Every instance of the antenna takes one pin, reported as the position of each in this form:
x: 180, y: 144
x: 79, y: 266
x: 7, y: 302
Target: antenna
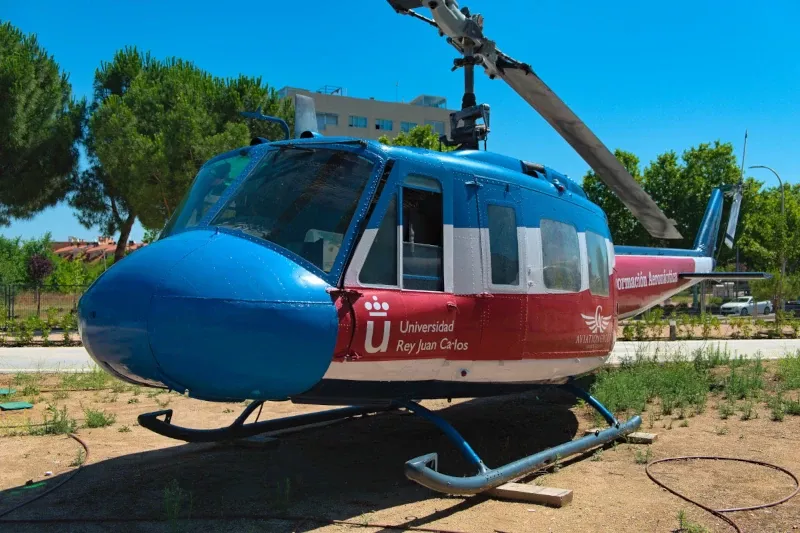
x: 744, y: 152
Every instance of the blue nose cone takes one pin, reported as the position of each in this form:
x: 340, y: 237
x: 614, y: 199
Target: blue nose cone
x: 222, y: 316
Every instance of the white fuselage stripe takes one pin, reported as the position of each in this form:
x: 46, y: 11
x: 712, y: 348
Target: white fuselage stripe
x: 467, y: 261
x: 514, y: 371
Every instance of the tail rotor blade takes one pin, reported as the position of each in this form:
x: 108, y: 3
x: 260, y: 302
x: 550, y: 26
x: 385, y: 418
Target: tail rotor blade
x: 733, y: 219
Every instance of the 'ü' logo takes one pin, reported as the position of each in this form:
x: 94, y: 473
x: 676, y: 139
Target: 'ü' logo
x: 376, y: 308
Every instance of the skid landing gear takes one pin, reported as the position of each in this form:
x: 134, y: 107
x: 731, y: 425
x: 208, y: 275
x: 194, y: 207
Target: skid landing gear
x: 419, y: 469
x: 239, y: 430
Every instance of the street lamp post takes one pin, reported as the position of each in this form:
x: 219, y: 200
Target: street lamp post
x: 783, y: 222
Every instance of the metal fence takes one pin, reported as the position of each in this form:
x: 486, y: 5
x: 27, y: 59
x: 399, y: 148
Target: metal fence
x: 23, y: 301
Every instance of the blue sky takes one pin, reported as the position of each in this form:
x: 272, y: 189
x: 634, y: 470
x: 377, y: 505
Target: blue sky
x: 645, y: 77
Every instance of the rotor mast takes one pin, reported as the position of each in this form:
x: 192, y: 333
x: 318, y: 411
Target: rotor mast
x: 465, y: 131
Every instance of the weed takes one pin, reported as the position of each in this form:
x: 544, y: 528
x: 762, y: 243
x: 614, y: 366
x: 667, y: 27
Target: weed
x: 748, y: 411
x: 227, y: 410
x: 60, y: 395
x: 94, y: 379
x: 133, y: 400
x: 79, y: 458
x: 685, y: 526
x: 163, y: 403
x: 598, y: 455
x: 789, y: 371
x: 745, y: 382
x: 119, y: 386
x: 679, y: 384
x: 124, y: 429
x: 792, y: 407
x: 642, y: 458
x: 722, y: 430
x: 777, y: 408
x: 98, y: 419
x: 110, y: 398
x: 57, y: 423
x: 174, y: 497
x: 685, y: 423
x: 726, y: 410
x: 29, y: 384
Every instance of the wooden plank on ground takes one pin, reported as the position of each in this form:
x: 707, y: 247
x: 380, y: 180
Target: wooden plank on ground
x: 533, y: 493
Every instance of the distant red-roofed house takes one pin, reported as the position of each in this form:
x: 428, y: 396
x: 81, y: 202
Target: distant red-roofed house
x: 90, y: 251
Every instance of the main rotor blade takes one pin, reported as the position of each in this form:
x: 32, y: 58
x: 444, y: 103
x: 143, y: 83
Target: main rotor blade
x: 607, y: 167
x: 465, y: 33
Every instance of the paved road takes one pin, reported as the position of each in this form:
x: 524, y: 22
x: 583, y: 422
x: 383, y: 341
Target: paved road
x: 751, y: 348
x: 59, y: 359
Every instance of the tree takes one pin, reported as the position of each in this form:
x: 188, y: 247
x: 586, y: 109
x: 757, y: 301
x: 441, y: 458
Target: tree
x: 40, y: 125
x: 625, y: 229
x: 683, y: 187
x: 418, y: 137
x: 40, y: 266
x: 153, y: 124
x: 680, y: 186
x: 764, y: 233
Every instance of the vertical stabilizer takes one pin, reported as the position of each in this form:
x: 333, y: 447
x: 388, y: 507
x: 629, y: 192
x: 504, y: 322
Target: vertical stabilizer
x: 706, y: 240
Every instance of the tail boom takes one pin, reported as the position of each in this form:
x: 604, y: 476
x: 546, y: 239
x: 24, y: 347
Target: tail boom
x: 643, y: 281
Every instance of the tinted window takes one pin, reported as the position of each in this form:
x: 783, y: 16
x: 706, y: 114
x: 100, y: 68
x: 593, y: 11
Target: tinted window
x: 212, y: 180
x: 503, y: 245
x: 302, y: 199
x: 423, y: 238
x: 560, y: 256
x: 383, y: 124
x: 380, y: 267
x: 358, y: 122
x: 598, y: 263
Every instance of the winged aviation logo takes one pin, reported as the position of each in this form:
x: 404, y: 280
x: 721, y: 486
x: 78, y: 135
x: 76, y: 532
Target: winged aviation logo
x: 597, y: 323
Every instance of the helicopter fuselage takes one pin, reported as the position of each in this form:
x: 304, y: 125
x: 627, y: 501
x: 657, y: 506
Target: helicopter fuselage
x: 340, y: 271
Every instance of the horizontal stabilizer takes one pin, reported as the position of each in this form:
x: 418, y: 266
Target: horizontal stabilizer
x: 725, y: 276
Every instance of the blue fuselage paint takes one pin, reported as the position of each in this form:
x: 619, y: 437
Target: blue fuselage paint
x: 221, y: 316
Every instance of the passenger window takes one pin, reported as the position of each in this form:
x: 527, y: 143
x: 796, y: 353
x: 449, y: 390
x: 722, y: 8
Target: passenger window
x: 423, y: 239
x: 380, y: 267
x: 503, y: 245
x: 598, y: 263
x: 560, y: 256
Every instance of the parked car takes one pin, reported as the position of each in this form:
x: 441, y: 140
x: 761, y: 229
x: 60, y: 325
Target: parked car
x: 745, y: 305
x: 792, y: 307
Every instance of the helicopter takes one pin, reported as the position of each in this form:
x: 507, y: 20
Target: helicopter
x: 340, y: 271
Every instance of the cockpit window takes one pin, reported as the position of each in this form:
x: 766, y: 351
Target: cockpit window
x: 208, y: 186
x: 302, y: 199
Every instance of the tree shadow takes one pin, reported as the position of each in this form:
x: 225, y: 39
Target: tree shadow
x: 335, y: 472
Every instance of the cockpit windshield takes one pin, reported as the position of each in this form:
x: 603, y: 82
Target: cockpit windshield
x: 302, y: 199
x: 212, y: 180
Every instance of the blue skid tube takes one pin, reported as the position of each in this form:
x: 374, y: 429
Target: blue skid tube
x: 419, y: 469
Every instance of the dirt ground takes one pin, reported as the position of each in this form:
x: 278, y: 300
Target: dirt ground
x: 353, y: 471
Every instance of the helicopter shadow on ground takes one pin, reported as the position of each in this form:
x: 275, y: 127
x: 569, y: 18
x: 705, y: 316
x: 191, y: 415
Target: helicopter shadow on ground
x: 335, y: 472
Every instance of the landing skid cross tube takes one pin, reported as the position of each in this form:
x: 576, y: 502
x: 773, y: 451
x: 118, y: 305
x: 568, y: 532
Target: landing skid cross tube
x: 419, y: 469
x: 239, y: 430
